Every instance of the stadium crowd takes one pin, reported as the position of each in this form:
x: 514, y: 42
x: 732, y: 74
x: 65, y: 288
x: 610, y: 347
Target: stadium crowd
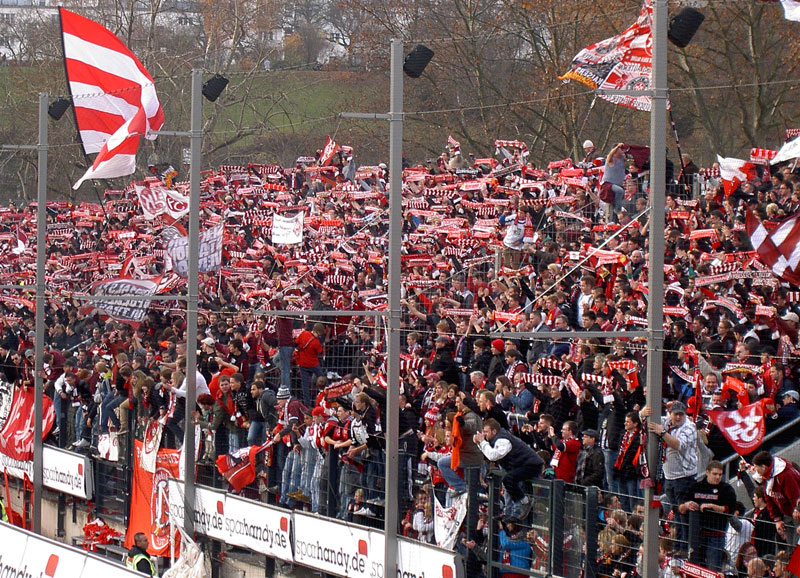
x: 490, y: 246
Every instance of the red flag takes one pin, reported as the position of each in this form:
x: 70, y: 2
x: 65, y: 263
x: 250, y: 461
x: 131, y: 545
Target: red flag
x: 240, y: 469
x: 16, y: 437
x: 114, y: 96
x: 738, y: 387
x: 779, y: 249
x: 743, y: 428
x: 794, y: 563
x: 619, y: 62
x: 327, y: 153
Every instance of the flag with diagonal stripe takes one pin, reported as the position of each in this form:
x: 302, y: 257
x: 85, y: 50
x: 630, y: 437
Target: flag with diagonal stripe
x: 114, y: 97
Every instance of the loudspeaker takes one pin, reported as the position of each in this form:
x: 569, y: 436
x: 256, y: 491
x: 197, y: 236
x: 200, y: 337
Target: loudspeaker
x: 58, y: 107
x: 214, y: 86
x: 683, y: 26
x: 417, y: 60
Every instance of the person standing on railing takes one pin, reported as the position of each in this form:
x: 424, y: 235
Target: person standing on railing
x: 518, y: 460
x: 679, y: 437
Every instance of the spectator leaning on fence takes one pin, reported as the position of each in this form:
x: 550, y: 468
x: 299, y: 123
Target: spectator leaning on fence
x: 715, y: 500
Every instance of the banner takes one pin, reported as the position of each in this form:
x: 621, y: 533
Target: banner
x: 150, y: 500
x: 157, y: 199
x: 152, y: 441
x: 62, y: 471
x: 287, y: 230
x: 209, y: 256
x: 25, y: 554
x: 743, y: 428
x: 620, y: 62
x: 236, y: 521
x: 130, y: 311
x: 16, y: 437
x: 447, y: 521
x: 6, y: 396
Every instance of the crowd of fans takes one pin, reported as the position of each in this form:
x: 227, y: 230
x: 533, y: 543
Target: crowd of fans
x: 490, y: 246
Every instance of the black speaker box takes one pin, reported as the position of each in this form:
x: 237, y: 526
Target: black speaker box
x: 417, y: 60
x: 683, y: 26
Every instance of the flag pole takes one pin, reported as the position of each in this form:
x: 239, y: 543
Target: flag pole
x: 41, y: 259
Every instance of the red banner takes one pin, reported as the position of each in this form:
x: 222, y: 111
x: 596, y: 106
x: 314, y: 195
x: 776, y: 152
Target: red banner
x: 743, y: 428
x: 16, y: 437
x: 150, y: 501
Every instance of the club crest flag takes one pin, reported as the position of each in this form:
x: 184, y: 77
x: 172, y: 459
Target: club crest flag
x: 209, y: 252
x: 622, y: 62
x: 287, y: 230
x: 743, y: 427
x: 331, y: 148
x: 113, y: 95
x: 150, y: 500
x: 157, y: 199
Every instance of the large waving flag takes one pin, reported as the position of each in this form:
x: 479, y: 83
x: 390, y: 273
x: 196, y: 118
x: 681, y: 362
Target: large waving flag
x: 734, y: 172
x: 791, y: 9
x: 621, y: 62
x: 114, y: 96
x: 779, y: 249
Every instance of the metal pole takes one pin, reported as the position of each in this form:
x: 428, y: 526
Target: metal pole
x: 192, y: 297
x: 393, y: 326
x: 41, y: 259
x: 655, y: 305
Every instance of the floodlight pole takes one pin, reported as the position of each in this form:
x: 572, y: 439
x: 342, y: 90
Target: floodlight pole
x: 655, y: 305
x: 196, y: 139
x: 41, y: 260
x: 393, y: 323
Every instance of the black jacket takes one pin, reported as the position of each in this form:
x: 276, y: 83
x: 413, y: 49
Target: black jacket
x: 590, y: 467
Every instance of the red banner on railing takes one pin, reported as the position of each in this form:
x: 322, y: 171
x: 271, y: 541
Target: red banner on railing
x: 16, y: 438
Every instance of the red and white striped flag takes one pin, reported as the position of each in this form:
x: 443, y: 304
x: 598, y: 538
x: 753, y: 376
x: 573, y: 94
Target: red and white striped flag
x: 778, y: 249
x: 114, y: 96
x: 734, y: 172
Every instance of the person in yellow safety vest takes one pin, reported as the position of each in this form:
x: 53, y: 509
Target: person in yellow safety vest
x: 3, y: 515
x: 138, y: 559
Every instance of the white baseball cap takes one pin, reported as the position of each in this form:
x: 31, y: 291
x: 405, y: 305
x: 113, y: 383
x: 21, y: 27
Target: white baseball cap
x: 587, y: 144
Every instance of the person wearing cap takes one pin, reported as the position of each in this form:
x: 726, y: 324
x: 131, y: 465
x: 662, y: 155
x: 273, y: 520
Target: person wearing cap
x: 588, y: 151
x: 443, y: 364
x: 679, y: 436
x: 789, y: 409
x: 497, y: 366
x: 590, y: 469
x: 285, y: 440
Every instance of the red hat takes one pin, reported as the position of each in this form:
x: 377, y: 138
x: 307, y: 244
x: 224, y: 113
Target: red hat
x: 318, y: 411
x: 498, y: 344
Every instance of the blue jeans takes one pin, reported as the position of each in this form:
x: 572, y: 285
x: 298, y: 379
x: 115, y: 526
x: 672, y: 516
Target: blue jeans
x: 233, y: 441
x: 79, y: 423
x: 257, y: 433
x: 285, y: 358
x: 608, y: 483
x: 711, y: 552
x: 110, y: 403
x: 629, y: 491
x: 306, y: 374
x: 451, y: 476
x: 674, y: 489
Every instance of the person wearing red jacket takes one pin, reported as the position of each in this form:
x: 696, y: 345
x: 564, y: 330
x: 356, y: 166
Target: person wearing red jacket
x: 781, y: 486
x: 309, y: 348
